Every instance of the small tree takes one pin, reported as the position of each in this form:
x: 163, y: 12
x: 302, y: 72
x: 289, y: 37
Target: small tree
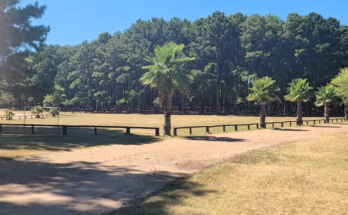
x: 37, y: 110
x: 324, y: 97
x: 263, y: 92
x: 341, y: 88
x: 9, y: 114
x: 54, y: 111
x: 168, y: 74
x: 299, y: 91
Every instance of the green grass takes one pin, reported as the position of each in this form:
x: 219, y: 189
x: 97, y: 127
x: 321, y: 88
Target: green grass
x: 304, y: 177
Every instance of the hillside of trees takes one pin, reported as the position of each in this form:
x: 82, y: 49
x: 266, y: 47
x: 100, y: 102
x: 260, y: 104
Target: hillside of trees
x: 229, y: 52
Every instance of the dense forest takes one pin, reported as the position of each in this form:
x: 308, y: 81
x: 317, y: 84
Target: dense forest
x: 229, y: 52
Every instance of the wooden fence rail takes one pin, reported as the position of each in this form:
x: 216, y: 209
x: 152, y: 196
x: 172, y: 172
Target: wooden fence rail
x: 65, y: 127
x: 26, y: 116
x: 207, y: 127
x: 304, y: 121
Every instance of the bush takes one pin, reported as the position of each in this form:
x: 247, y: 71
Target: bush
x: 54, y: 111
x: 37, y: 110
x: 9, y: 114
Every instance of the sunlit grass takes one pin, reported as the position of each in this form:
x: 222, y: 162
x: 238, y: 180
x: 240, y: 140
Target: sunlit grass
x: 304, y: 177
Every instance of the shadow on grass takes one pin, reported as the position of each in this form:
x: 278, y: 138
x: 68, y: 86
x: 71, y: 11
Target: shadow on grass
x: 174, y: 195
x: 15, y: 138
x: 37, y: 187
x: 213, y: 138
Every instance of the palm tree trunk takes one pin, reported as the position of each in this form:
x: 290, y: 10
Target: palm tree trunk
x: 326, y: 113
x: 167, y: 107
x: 263, y: 116
x: 346, y: 111
x: 299, y: 113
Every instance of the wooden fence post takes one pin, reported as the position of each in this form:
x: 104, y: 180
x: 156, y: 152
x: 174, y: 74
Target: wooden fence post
x: 175, y: 134
x: 248, y: 126
x: 282, y: 124
x: 257, y: 126
x: 95, y: 131
x: 224, y: 128
x: 190, y: 130
x: 0, y: 128
x: 128, y: 130
x: 65, y: 130
x: 236, y: 127
x: 207, y: 129
x: 157, y: 132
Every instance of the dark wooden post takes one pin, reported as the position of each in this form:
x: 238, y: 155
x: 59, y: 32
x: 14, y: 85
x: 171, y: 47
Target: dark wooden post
x: 175, y: 131
x: 224, y: 128
x: 282, y: 124
x: 236, y: 127
x: 290, y: 123
x: 95, y: 131
x: 157, y: 131
x: 273, y: 125
x: 248, y: 126
x: 313, y: 122
x: 257, y: 126
x: 65, y: 130
x: 32, y: 129
x: 0, y: 128
x: 128, y: 130
x: 207, y: 129
x: 190, y: 130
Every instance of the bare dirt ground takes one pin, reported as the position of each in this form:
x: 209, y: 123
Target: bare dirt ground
x: 101, y: 179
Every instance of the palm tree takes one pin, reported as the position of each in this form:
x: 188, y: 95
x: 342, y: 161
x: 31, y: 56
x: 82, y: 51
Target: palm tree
x: 168, y: 75
x: 299, y: 91
x: 341, y: 85
x: 325, y: 96
x: 263, y: 92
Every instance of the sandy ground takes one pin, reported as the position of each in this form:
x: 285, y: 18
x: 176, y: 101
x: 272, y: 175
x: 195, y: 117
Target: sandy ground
x: 99, y: 180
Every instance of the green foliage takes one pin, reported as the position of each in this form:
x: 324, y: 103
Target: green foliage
x: 325, y: 95
x: 54, y: 111
x: 263, y: 91
x: 340, y: 83
x: 56, y: 98
x: 167, y: 72
x: 299, y: 89
x: 37, y: 110
x: 9, y: 114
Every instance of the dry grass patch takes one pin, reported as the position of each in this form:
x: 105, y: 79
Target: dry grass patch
x: 304, y: 177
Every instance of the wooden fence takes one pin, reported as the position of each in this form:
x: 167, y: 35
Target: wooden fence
x: 65, y: 127
x: 304, y: 122
x: 257, y: 125
x: 213, y: 126
x: 26, y: 116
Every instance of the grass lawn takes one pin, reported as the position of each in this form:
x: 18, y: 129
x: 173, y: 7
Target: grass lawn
x: 155, y: 120
x: 304, y: 177
x: 18, y: 141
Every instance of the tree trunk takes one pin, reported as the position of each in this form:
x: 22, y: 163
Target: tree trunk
x: 346, y: 111
x: 263, y: 116
x: 299, y: 113
x: 326, y: 113
x: 167, y: 107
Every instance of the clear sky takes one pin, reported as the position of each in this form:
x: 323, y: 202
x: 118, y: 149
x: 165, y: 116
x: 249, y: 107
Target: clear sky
x: 73, y: 21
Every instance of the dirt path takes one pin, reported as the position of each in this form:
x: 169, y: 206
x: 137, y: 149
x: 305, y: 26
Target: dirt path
x: 101, y: 179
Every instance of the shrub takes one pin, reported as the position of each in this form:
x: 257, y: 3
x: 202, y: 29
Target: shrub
x: 9, y: 114
x: 37, y: 110
x: 54, y: 111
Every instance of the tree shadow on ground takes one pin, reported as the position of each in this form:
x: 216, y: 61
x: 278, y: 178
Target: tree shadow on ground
x: 288, y: 129
x: 39, y: 188
x: 15, y: 138
x: 325, y: 126
x: 213, y: 138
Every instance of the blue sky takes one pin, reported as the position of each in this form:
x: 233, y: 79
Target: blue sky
x: 73, y: 21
